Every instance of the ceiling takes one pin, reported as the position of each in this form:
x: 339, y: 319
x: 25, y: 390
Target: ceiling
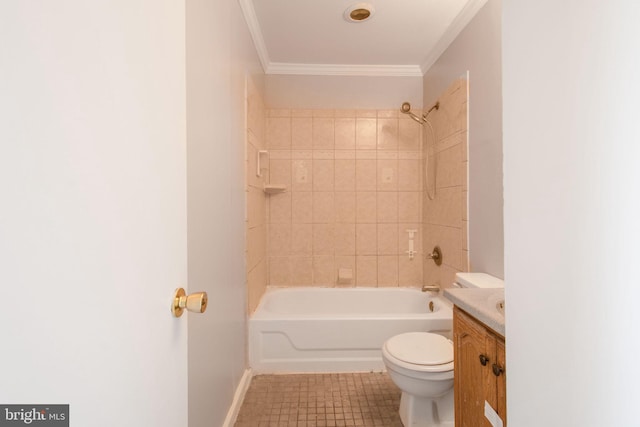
x: 402, y: 38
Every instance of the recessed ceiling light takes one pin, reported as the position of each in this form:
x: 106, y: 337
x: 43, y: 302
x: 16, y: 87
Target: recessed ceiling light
x: 359, y: 12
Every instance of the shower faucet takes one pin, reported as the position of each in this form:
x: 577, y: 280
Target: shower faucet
x: 436, y: 255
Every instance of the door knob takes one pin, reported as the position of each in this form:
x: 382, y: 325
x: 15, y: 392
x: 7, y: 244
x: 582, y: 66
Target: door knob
x: 484, y: 360
x: 196, y: 302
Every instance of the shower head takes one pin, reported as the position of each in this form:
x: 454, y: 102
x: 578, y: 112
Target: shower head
x: 406, y: 109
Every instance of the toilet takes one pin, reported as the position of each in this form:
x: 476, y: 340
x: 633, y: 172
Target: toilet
x: 421, y: 365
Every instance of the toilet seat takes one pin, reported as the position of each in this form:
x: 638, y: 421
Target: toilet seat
x: 420, y: 351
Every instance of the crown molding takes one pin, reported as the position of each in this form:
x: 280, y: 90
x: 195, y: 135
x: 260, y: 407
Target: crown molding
x: 345, y: 70
x: 457, y: 25
x: 256, y: 33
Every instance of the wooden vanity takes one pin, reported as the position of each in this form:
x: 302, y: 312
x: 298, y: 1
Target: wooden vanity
x: 480, y: 373
x: 479, y: 357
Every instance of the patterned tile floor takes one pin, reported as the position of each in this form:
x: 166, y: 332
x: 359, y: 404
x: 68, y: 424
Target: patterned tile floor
x: 321, y: 400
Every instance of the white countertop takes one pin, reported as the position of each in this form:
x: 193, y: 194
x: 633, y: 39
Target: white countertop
x: 481, y: 304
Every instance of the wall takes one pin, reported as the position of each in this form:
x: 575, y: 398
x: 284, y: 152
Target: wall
x: 445, y: 196
x: 342, y: 92
x: 571, y: 177
x: 477, y: 50
x: 219, y: 56
x: 256, y: 220
x: 354, y: 187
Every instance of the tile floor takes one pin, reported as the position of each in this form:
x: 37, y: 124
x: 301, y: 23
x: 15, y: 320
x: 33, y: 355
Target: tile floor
x: 321, y: 400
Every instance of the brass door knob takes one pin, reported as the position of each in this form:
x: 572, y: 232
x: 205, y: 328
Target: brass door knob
x: 196, y: 302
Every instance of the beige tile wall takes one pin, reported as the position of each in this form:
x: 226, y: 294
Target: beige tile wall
x: 354, y: 188
x: 355, y: 184
x: 256, y: 202
x: 445, y: 217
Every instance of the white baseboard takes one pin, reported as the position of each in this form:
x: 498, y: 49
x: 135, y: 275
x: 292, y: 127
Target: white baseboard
x: 238, y: 398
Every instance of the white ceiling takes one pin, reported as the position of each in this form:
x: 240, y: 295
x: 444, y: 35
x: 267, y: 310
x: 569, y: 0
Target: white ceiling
x: 403, y: 38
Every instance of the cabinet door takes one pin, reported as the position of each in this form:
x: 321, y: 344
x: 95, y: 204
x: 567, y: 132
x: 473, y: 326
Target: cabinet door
x: 501, y: 383
x: 490, y: 383
x: 471, y: 376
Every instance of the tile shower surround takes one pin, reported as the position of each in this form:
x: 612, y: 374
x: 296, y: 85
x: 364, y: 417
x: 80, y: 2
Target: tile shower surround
x: 256, y: 202
x: 355, y: 185
x: 354, y: 188
x: 445, y: 218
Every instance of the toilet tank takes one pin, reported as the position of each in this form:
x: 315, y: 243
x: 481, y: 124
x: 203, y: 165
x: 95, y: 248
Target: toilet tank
x: 477, y: 280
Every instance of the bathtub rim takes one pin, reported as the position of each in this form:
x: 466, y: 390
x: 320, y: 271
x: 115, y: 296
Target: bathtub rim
x: 260, y: 313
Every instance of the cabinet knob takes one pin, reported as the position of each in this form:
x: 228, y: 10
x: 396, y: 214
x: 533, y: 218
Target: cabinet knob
x: 497, y: 370
x: 484, y: 360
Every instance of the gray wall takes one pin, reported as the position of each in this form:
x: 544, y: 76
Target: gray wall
x: 219, y: 55
x: 478, y: 50
x: 572, y: 205
x: 342, y: 92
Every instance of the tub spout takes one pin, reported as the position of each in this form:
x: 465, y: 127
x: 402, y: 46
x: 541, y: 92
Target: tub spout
x: 431, y: 288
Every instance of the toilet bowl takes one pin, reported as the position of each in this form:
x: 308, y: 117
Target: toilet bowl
x: 421, y: 365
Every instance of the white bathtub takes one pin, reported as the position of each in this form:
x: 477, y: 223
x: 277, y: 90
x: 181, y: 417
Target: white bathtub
x: 337, y: 329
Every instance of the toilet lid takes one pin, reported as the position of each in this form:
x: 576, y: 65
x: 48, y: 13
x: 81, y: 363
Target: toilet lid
x: 421, y: 348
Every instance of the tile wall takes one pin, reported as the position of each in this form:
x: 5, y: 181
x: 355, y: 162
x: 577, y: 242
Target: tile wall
x: 445, y: 221
x: 355, y: 184
x: 256, y: 202
x: 354, y: 187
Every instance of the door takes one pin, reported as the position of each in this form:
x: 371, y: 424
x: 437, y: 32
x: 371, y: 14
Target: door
x: 92, y: 209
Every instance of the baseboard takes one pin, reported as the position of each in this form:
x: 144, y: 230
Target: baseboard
x: 238, y: 397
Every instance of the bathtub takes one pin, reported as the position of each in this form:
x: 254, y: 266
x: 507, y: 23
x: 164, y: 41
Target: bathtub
x: 337, y: 329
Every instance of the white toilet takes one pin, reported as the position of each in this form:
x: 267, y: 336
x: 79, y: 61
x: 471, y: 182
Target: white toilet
x: 421, y: 365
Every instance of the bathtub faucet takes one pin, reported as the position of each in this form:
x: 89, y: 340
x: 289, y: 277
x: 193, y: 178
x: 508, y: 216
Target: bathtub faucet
x: 431, y: 288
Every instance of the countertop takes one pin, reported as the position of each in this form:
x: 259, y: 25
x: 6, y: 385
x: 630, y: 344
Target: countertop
x: 481, y: 304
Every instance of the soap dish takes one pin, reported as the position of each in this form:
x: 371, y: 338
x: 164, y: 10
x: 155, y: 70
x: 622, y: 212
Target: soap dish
x: 274, y: 188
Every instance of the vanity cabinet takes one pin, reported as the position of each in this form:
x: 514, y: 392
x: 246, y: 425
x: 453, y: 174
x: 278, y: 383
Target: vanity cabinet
x: 479, y: 366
